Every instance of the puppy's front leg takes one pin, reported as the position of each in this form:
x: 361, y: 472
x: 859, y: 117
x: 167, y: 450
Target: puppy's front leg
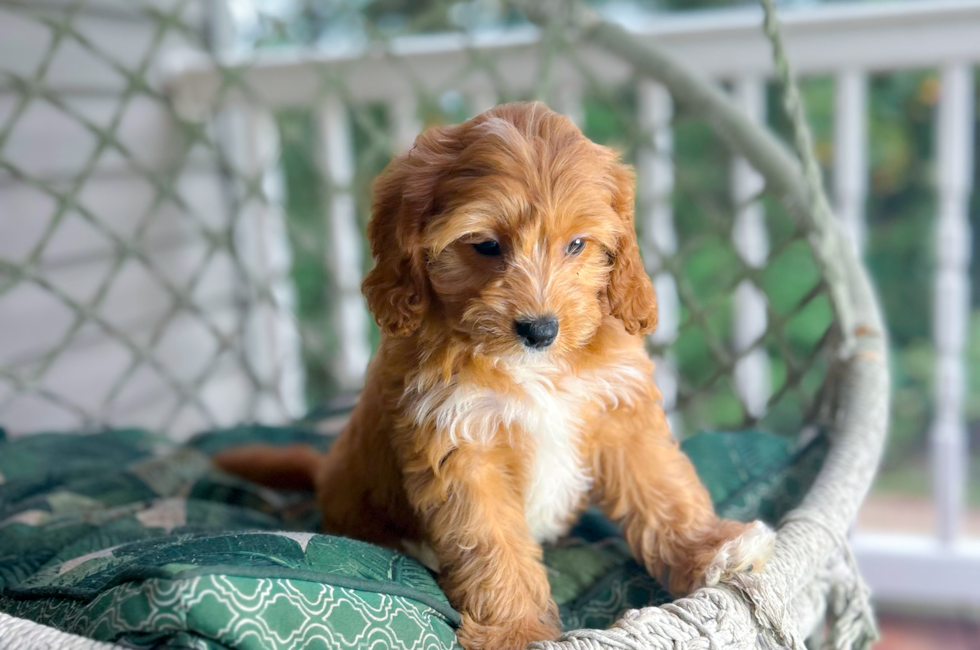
x: 473, y: 514
x: 644, y: 480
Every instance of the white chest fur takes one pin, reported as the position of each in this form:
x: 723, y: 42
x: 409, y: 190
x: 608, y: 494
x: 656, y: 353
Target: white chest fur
x: 548, y: 408
x: 558, y: 478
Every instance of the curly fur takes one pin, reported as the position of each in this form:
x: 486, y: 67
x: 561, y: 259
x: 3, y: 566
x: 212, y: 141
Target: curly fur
x: 471, y: 445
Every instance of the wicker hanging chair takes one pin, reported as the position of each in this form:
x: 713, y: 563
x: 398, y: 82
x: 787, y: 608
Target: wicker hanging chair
x: 812, y: 578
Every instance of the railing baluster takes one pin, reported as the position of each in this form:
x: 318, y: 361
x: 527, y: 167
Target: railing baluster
x: 568, y: 101
x: 655, y: 188
x: 271, y: 339
x: 752, y: 381
x: 850, y: 154
x: 483, y: 100
x: 287, y: 356
x: 403, y: 115
x: 951, y: 309
x: 342, y: 248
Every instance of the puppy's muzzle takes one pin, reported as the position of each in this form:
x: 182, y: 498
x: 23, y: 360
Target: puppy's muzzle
x: 537, y: 333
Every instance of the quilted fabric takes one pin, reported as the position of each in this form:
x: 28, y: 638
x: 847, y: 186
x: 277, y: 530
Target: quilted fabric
x: 123, y: 536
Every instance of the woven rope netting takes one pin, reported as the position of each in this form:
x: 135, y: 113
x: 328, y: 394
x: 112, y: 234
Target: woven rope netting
x: 200, y: 250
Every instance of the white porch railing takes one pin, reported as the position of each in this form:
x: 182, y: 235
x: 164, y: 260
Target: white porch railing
x: 848, y: 42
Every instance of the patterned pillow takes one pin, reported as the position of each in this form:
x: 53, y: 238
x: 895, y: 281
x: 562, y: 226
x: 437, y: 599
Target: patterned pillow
x: 124, y: 536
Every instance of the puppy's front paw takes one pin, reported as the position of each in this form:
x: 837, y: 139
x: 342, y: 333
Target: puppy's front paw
x: 746, y: 552
x: 510, y: 635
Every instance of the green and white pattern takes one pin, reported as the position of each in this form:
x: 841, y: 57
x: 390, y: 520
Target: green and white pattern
x: 169, y: 553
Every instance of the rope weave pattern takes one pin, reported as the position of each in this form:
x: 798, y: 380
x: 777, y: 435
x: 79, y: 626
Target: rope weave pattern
x: 803, y: 144
x: 18, y: 634
x: 281, y: 183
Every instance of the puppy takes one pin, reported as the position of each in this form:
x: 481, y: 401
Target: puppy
x: 511, y: 387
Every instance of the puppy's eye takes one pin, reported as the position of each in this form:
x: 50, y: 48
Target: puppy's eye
x: 490, y: 248
x: 575, y: 246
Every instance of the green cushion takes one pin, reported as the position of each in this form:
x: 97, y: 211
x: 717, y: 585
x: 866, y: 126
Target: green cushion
x: 124, y: 536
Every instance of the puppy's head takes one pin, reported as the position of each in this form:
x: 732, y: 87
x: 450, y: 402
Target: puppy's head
x: 513, y: 229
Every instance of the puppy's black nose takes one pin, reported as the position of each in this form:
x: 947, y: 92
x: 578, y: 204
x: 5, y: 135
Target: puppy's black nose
x: 538, y: 333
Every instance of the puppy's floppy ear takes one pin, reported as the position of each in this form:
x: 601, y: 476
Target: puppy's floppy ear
x: 630, y: 293
x: 397, y: 288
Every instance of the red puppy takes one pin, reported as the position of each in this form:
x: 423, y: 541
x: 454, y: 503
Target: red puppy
x: 511, y: 387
